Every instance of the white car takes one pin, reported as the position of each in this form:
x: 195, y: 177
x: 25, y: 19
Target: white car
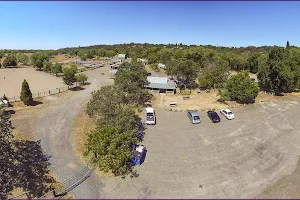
x: 227, y: 113
x: 150, y: 116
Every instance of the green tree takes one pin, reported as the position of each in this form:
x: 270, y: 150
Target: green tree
x: 111, y: 149
x: 152, y: 58
x: 185, y: 69
x: 5, y: 62
x: 252, y: 62
x: 165, y: 55
x: 56, y: 68
x: 23, y: 58
x: 26, y: 95
x: 90, y: 54
x: 69, y: 75
x: 224, y: 95
x: 47, y: 66
x: 37, y: 60
x: 131, y: 79
x: 10, y: 61
x: 214, y: 75
x: 105, y: 103
x: 241, y: 88
x: 110, y: 53
x: 82, y: 78
x: 279, y: 70
x: 126, y: 120
x: 235, y: 61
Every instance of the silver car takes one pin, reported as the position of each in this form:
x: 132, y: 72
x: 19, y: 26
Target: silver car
x: 193, y: 116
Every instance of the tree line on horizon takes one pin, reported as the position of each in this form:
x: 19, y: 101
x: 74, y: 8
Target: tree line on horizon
x: 210, y: 65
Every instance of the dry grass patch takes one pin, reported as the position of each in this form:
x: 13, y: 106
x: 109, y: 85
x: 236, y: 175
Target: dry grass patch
x: 200, y: 101
x: 295, y: 94
x: 262, y: 97
x: 62, y: 58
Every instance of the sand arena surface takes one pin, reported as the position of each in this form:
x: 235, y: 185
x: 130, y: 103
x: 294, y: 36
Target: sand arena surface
x: 11, y: 80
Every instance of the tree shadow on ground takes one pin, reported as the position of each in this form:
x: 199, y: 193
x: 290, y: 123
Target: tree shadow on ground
x: 140, y: 129
x: 33, y: 168
x: 35, y: 103
x: 77, y: 88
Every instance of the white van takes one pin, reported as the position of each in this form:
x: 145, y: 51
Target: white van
x: 150, y: 116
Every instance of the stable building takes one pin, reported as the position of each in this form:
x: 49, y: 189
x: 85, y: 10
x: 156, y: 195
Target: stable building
x: 122, y: 57
x: 161, y: 84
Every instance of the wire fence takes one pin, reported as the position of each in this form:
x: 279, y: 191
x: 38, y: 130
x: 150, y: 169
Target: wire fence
x: 64, y: 186
x: 43, y: 93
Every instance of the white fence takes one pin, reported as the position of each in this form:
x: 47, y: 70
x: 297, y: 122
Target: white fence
x: 43, y: 93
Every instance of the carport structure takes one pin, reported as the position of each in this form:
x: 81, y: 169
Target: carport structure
x: 161, y: 84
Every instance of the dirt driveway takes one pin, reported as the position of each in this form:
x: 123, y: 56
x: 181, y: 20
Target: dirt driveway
x: 54, y: 129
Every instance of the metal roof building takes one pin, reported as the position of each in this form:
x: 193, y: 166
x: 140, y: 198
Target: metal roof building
x: 161, y: 84
x: 122, y: 56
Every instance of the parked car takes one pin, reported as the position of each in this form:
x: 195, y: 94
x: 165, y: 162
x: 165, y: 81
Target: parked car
x: 150, y: 116
x: 227, y: 113
x: 139, y: 153
x: 193, y: 116
x: 213, y: 116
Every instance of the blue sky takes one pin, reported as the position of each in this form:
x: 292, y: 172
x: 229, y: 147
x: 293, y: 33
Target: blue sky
x: 52, y: 25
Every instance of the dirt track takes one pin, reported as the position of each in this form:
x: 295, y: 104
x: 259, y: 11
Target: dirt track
x: 11, y: 81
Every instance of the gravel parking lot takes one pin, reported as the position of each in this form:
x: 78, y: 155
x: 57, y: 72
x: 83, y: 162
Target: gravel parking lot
x: 232, y: 159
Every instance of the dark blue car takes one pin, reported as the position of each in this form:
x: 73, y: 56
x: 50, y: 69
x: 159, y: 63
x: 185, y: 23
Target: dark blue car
x: 213, y: 116
x: 139, y: 154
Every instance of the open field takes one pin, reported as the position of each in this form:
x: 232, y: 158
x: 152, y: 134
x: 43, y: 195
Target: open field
x: 11, y: 81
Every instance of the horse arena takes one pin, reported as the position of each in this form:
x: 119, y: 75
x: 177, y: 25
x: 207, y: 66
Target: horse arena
x: 11, y: 81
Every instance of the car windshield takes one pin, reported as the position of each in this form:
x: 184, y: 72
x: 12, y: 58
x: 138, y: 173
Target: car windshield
x: 214, y: 114
x: 230, y: 113
x: 149, y: 114
x: 196, y: 117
